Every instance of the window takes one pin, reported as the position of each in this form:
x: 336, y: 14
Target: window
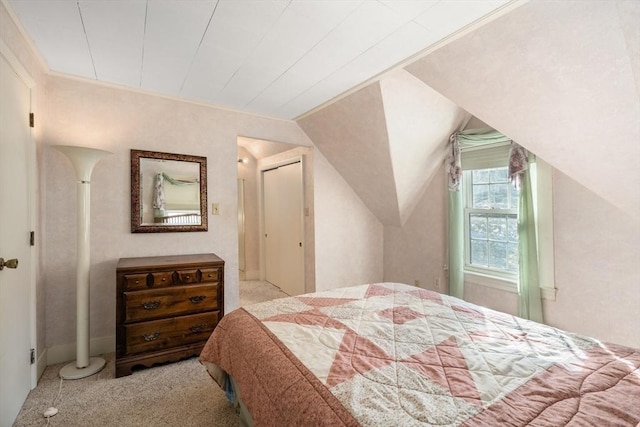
x: 491, y: 223
x: 491, y: 220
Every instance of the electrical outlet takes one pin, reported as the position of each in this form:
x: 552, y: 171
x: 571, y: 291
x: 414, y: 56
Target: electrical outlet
x: 416, y: 282
x: 436, y: 282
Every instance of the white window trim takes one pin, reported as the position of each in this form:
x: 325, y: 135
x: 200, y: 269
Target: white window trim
x: 543, y: 206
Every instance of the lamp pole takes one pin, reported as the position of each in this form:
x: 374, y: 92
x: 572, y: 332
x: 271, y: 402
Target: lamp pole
x: 83, y: 160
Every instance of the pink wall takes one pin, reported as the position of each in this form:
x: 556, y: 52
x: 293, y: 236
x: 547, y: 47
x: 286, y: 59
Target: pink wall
x: 417, y: 250
x: 349, y: 249
x: 597, y: 261
x: 561, y: 79
x: 83, y: 113
x: 597, y: 249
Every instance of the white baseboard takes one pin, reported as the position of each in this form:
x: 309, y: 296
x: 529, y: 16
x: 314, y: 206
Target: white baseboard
x: 252, y: 275
x: 41, y: 363
x: 67, y: 352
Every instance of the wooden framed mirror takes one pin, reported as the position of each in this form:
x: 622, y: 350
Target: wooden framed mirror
x: 168, y: 192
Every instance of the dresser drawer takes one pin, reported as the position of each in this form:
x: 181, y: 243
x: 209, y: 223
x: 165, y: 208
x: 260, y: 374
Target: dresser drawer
x: 210, y: 274
x: 161, y: 278
x: 135, y: 282
x: 167, y: 333
x: 187, y: 276
x: 172, y: 301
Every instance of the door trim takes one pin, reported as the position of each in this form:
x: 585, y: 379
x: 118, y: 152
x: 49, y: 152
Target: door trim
x: 23, y: 74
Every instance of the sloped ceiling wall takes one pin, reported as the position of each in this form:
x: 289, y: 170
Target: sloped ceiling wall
x: 419, y: 122
x: 387, y: 140
x: 560, y: 78
x: 352, y: 135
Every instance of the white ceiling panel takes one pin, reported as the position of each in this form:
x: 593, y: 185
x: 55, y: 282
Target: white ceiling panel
x: 297, y: 31
x: 56, y: 28
x: 172, y: 37
x: 273, y: 57
x: 371, y: 19
x: 409, y: 9
x: 235, y: 30
x: 116, y: 38
x: 369, y: 24
x: 447, y: 17
x: 392, y: 50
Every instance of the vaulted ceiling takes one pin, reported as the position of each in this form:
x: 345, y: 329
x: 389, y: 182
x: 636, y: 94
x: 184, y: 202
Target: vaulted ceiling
x: 560, y: 78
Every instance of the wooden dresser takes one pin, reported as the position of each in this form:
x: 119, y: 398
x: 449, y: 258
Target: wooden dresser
x: 167, y: 306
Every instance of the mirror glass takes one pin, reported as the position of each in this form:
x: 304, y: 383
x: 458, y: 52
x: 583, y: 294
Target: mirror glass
x: 168, y: 192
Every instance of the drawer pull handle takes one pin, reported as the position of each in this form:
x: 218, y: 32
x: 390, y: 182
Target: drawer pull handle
x: 151, y: 337
x: 197, y: 299
x: 198, y: 328
x: 151, y: 305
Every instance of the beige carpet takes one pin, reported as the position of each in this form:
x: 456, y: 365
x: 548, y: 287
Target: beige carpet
x: 252, y: 292
x: 177, y: 394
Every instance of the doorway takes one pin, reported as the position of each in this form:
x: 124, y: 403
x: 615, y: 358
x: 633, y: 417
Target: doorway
x: 254, y: 157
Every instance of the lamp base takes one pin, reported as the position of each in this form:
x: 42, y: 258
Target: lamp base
x: 72, y: 372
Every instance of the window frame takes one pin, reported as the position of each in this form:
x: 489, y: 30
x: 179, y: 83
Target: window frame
x: 543, y: 207
x: 486, y: 276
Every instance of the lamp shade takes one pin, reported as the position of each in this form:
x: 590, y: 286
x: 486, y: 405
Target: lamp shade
x: 83, y: 159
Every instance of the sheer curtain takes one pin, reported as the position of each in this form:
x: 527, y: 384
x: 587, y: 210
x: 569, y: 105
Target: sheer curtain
x: 529, y: 303
x: 529, y: 295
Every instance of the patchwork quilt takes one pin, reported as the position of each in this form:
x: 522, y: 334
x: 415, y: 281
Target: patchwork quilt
x: 390, y: 354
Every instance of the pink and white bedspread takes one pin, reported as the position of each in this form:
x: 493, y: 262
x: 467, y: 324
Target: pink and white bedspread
x: 390, y: 354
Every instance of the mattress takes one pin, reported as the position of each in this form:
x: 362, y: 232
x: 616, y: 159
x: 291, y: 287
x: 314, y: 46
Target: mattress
x: 392, y: 354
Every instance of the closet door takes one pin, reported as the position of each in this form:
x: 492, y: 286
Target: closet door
x: 284, y: 222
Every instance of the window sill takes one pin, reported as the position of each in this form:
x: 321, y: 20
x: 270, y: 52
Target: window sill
x: 504, y: 285
x: 490, y: 282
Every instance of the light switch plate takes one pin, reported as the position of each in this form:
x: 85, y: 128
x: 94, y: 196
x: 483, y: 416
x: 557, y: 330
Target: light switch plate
x: 215, y: 208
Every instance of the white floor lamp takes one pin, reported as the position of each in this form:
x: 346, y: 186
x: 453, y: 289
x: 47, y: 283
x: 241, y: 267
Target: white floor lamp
x: 83, y: 159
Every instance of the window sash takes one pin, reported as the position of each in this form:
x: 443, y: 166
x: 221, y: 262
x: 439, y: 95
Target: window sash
x: 503, y: 274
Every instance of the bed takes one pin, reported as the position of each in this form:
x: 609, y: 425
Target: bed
x: 390, y: 354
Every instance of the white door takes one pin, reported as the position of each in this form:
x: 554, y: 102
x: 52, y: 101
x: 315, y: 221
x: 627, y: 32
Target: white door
x: 284, y: 225
x: 15, y: 327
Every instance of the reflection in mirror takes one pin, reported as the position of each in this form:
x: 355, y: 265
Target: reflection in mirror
x: 168, y: 192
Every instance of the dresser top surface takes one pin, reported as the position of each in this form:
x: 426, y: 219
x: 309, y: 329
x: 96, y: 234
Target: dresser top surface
x: 169, y: 261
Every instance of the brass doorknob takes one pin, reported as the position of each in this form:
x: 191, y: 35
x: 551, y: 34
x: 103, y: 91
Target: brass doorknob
x: 10, y: 263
